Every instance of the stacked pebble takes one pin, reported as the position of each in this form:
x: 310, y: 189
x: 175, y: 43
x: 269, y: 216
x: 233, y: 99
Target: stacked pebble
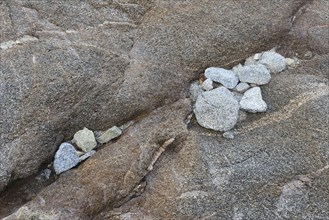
x: 218, y: 107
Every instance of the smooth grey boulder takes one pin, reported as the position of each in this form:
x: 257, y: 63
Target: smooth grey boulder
x: 226, y: 77
x: 252, y: 101
x: 109, y: 134
x: 102, y: 63
x: 273, y: 61
x: 217, y: 109
x: 257, y: 74
x: 66, y: 158
x: 85, y: 139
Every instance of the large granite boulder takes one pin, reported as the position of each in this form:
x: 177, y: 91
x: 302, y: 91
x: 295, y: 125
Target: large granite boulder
x: 69, y: 64
x: 276, y: 167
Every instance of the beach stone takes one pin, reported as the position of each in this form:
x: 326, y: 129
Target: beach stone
x: 226, y: 77
x: 241, y: 87
x: 109, y: 134
x: 85, y: 139
x: 207, y: 85
x: 65, y: 158
x: 217, y: 109
x: 273, y: 61
x: 252, y: 101
x: 256, y: 74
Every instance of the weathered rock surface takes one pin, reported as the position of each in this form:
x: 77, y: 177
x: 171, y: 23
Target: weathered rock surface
x: 252, y: 101
x: 275, y: 168
x: 66, y: 158
x: 111, y: 175
x: 226, y: 77
x: 257, y: 74
x: 101, y: 63
x: 217, y: 109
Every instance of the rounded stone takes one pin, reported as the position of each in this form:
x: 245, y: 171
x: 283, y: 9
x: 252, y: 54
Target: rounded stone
x: 217, y: 109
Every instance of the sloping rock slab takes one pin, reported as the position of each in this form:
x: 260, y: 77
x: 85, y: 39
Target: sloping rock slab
x: 275, y: 168
x: 113, y: 172
x: 101, y: 63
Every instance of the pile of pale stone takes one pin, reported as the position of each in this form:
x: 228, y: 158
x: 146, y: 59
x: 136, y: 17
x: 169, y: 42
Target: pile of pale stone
x: 225, y: 95
x: 84, y: 145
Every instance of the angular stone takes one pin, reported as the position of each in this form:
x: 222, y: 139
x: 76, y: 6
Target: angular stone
x: 85, y: 139
x: 65, y: 158
x: 228, y: 135
x: 241, y: 87
x: 109, y: 134
x: 217, y: 109
x: 226, y: 77
x: 87, y: 155
x: 273, y: 61
x: 252, y: 101
x: 257, y: 74
x: 207, y: 85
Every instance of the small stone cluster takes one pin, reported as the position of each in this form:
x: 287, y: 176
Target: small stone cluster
x: 220, y: 98
x: 84, y: 145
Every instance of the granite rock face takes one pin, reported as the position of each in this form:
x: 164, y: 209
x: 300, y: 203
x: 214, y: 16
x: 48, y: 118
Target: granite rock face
x: 67, y: 64
x: 252, y: 101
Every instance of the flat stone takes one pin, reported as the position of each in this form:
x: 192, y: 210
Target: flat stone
x: 109, y: 134
x: 85, y: 139
x: 66, y: 158
x: 87, y: 155
x: 242, y: 87
x: 256, y: 74
x: 217, y: 109
x: 273, y: 61
x: 207, y: 85
x: 252, y: 101
x: 226, y: 77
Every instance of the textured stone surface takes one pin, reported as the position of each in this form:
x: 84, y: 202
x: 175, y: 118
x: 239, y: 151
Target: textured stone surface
x: 226, y: 77
x: 257, y: 74
x: 217, y: 109
x: 66, y: 158
x: 252, y: 101
x: 241, y: 87
x: 111, y: 175
x: 207, y: 85
x: 273, y: 61
x: 109, y: 134
x: 85, y: 139
x: 195, y: 91
x: 275, y: 168
x: 101, y: 63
